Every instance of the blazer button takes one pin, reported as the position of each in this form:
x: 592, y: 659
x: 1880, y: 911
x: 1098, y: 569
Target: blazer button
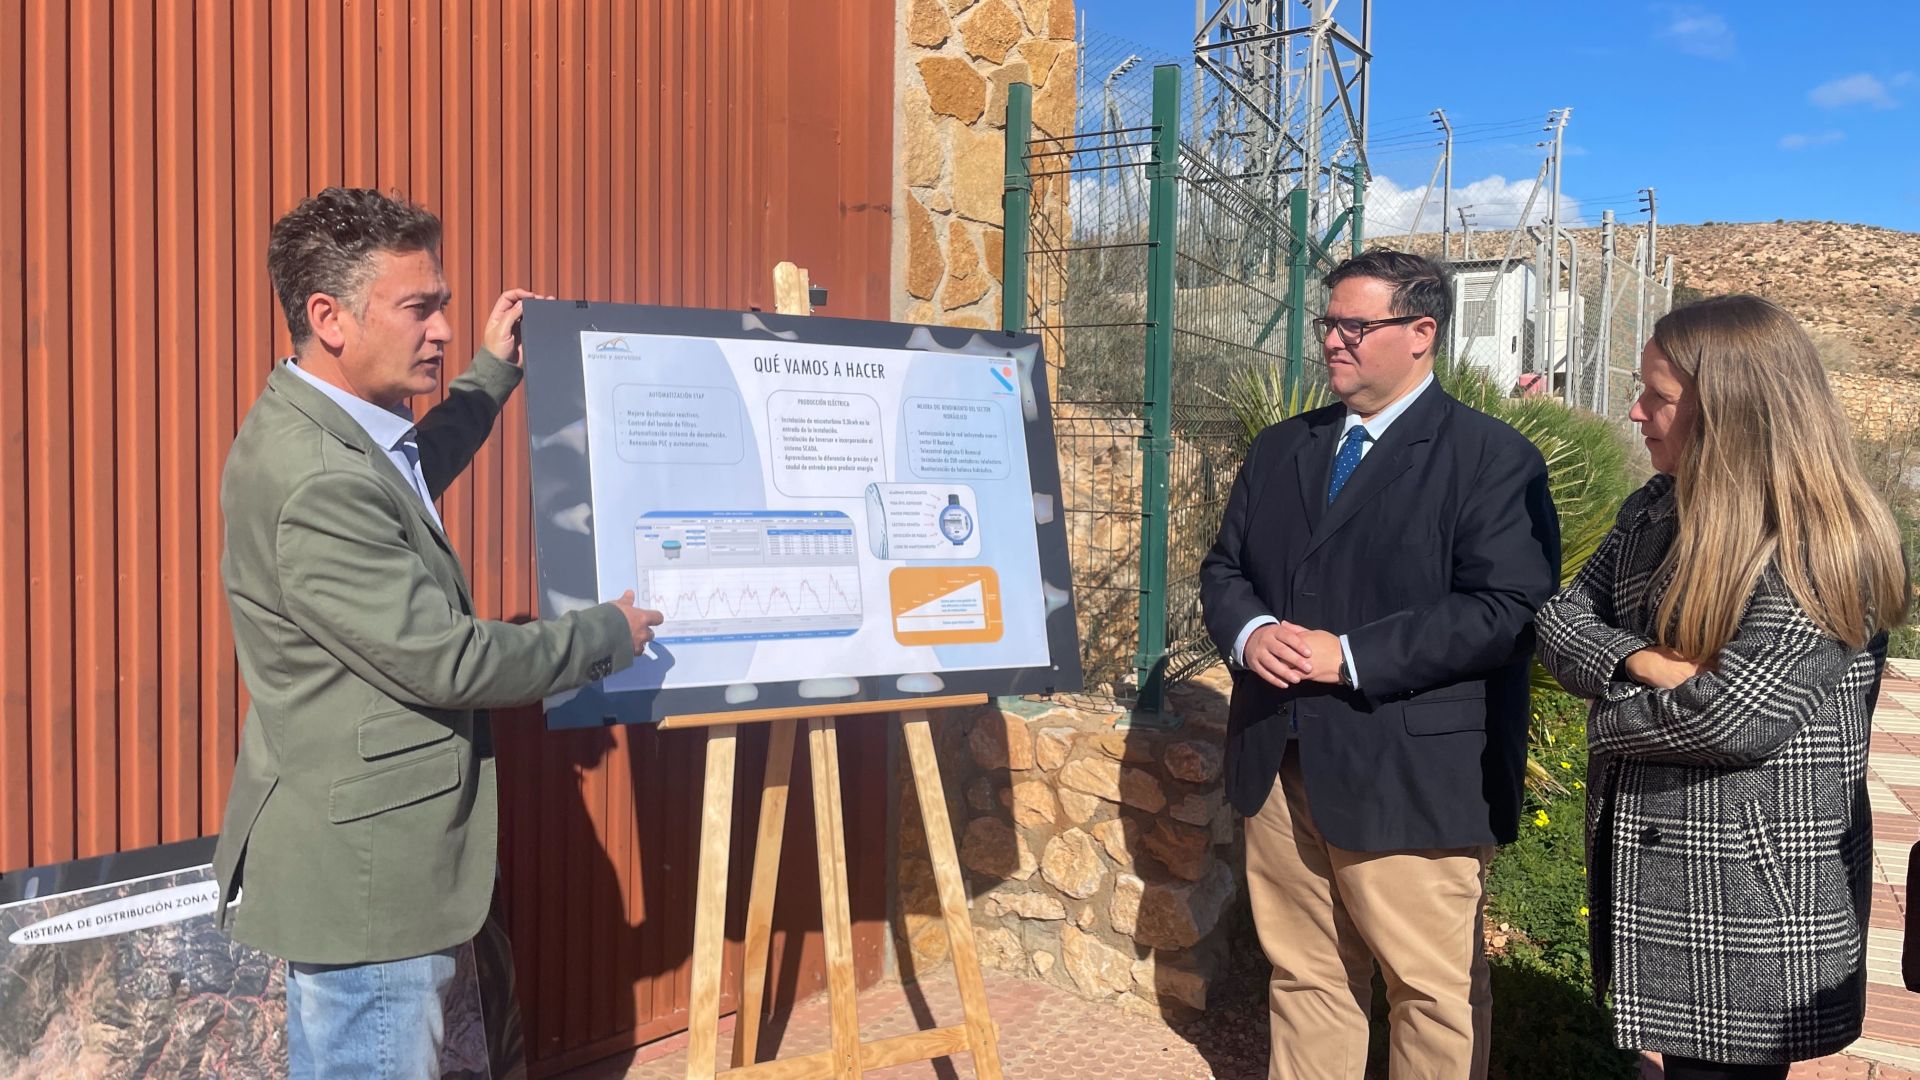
x: 1650, y: 837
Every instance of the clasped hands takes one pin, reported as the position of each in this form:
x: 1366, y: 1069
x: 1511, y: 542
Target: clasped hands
x: 1661, y: 667
x: 1286, y: 654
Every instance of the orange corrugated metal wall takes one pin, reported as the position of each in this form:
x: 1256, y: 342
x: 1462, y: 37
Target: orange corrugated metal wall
x: 667, y: 151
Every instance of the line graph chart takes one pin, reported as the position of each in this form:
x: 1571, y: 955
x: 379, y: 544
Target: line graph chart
x: 740, y: 603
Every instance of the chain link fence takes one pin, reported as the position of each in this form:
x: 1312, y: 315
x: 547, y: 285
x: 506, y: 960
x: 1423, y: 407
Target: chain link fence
x: 1148, y: 438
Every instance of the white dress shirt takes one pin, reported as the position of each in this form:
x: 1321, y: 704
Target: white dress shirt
x: 390, y: 429
x: 1376, y: 427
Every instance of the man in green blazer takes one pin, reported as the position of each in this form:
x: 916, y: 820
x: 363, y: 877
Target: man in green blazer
x: 360, y: 829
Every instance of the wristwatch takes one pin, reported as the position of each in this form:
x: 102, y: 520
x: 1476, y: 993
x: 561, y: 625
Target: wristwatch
x: 1346, y: 674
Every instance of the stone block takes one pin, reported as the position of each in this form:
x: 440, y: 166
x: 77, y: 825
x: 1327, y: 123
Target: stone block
x: 1040, y: 55
x: 1052, y: 745
x: 1176, y: 916
x: 1121, y: 838
x: 1123, y: 746
x: 1185, y: 851
x: 1077, y: 808
x: 979, y: 174
x: 1098, y: 969
x: 967, y: 281
x: 926, y: 149
x: 1054, y: 103
x: 1034, y: 13
x: 1026, y: 905
x: 926, y: 266
x: 991, y: 31
x: 955, y: 89
x: 927, y: 23
x: 981, y: 795
x: 1043, y: 962
x: 1222, y: 825
x: 1033, y: 804
x: 1124, y: 912
x: 1060, y: 20
x: 997, y: 82
x: 1168, y: 984
x: 1194, y: 762
x: 1000, y: 948
x: 1197, y: 809
x: 993, y: 848
x: 998, y: 740
x: 1072, y: 864
x: 1114, y: 782
x: 920, y: 919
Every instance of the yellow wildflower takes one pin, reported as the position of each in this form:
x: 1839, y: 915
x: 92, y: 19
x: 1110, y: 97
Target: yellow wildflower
x: 1540, y: 819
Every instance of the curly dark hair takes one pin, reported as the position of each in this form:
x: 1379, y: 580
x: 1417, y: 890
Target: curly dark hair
x: 1420, y: 285
x: 327, y: 244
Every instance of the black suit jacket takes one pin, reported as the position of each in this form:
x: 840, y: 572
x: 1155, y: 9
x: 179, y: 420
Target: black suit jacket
x: 1433, y: 560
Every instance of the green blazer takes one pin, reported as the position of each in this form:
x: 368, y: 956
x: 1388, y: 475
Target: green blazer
x: 362, y: 821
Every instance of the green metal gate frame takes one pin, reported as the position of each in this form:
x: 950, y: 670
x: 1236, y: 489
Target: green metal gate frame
x: 1304, y: 257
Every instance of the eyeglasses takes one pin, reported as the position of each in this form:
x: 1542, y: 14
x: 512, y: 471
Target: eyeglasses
x: 1353, y: 330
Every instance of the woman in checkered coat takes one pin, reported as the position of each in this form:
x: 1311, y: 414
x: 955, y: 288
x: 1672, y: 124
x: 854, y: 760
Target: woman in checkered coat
x: 1728, y: 631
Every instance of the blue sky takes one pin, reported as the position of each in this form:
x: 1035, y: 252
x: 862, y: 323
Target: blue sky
x: 1735, y: 111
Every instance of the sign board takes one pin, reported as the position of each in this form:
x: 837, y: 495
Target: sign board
x: 825, y: 510
x: 115, y: 966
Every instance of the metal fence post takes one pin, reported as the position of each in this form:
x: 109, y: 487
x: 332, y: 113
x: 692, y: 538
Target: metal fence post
x: 1299, y: 255
x: 1016, y: 205
x: 1163, y: 224
x: 1603, y: 375
x: 1357, y: 223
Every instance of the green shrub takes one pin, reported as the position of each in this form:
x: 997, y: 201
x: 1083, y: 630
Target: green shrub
x: 1889, y: 460
x: 1546, y: 1023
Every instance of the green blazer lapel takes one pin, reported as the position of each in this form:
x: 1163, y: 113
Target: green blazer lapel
x: 320, y: 409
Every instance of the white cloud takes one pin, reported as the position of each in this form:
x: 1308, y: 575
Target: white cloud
x: 1803, y: 140
x: 1860, y: 89
x: 1698, y: 32
x: 1493, y: 204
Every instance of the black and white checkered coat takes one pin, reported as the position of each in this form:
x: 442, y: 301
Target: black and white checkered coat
x: 1728, y: 837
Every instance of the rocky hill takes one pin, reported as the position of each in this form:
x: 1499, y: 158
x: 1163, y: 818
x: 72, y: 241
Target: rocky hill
x: 1855, y: 287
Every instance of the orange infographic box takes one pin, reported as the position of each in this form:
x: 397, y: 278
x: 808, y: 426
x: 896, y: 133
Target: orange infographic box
x: 945, y: 605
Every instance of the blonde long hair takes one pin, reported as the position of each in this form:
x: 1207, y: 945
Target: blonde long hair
x: 1769, y: 476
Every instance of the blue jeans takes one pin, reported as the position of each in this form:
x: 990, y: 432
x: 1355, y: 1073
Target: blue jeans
x: 373, y: 1021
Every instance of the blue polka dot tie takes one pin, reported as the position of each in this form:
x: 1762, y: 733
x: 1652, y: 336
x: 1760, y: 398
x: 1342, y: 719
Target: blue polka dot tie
x: 1346, y: 460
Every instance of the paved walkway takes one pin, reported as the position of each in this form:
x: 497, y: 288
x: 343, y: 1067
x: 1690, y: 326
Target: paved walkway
x: 1049, y: 1034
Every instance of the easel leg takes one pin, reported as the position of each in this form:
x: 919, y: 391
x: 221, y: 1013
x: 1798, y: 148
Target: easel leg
x: 710, y: 904
x: 981, y: 1038
x: 766, y: 874
x: 830, y: 839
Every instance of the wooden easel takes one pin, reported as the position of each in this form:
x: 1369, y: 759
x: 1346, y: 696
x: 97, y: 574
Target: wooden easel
x: 849, y: 1057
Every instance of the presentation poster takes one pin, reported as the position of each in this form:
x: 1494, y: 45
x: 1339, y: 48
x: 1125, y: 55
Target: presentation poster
x: 823, y: 510
x: 114, y: 967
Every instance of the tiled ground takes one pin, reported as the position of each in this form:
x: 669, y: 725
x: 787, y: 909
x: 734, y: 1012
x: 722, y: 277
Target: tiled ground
x: 1045, y: 1034
x: 1049, y: 1033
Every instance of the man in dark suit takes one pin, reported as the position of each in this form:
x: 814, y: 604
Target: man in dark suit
x: 1374, y: 584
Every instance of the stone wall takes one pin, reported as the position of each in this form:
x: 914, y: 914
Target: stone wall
x: 1099, y: 859
x: 957, y: 59
x: 1878, y: 406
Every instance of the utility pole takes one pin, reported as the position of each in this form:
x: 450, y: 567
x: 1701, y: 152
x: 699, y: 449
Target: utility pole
x: 1604, y: 344
x: 1446, y: 184
x: 1650, y: 206
x: 1557, y: 123
x: 1640, y: 290
x: 1466, y: 232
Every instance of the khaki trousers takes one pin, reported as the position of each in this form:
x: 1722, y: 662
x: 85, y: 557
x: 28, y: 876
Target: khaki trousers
x: 1324, y: 915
